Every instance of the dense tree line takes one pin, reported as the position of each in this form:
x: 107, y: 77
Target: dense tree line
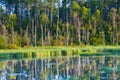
x: 59, y: 22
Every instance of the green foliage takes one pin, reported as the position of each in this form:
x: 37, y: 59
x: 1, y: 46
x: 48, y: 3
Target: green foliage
x: 119, y: 38
x: 24, y: 41
x: 72, y: 44
x: 44, y: 22
x: 2, y: 42
x: 58, y: 43
x: 12, y: 46
x: 97, y: 13
x: 119, y: 12
x: 96, y: 41
x: 75, y: 6
x: 85, y: 13
x: 44, y: 19
x: 1, y: 9
x: 12, y: 20
x: 18, y: 40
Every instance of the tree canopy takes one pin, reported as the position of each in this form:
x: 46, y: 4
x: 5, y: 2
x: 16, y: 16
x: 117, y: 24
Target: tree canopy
x: 60, y: 22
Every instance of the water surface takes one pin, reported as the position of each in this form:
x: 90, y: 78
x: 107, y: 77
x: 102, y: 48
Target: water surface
x: 61, y: 68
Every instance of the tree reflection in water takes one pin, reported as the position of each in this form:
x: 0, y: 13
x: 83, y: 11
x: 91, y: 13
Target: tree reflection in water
x: 62, y: 68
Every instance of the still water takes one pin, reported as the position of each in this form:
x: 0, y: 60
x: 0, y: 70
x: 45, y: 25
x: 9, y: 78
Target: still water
x: 62, y: 68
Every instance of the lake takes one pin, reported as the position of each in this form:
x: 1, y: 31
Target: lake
x: 60, y: 68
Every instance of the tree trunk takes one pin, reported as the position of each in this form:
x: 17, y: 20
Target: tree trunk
x: 117, y: 37
x: 114, y: 26
x: 19, y: 20
x: 57, y: 33
x: 35, y: 22
x: 67, y: 34
x: 103, y: 38
x: 27, y: 36
x: 51, y: 16
x: 89, y: 23
x: 35, y: 42
x: 45, y: 27
x: 78, y: 31
x: 32, y: 36
x: 42, y: 35
x: 57, y: 30
x: 45, y: 34
x: 48, y: 37
x: 84, y: 35
x: 12, y: 34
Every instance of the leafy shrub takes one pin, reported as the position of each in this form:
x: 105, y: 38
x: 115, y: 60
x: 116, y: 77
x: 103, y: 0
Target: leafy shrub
x: 58, y: 43
x: 72, y: 44
x: 12, y: 46
x: 18, y: 39
x: 2, y: 42
x: 119, y: 38
x: 96, y: 41
x: 82, y: 45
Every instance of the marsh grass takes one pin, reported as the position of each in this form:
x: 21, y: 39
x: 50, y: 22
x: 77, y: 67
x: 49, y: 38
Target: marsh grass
x: 57, y: 51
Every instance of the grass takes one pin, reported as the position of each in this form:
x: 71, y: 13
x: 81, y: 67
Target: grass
x: 57, y: 51
x: 78, y: 49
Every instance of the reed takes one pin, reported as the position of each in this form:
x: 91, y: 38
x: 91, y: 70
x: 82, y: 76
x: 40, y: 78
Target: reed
x: 57, y: 51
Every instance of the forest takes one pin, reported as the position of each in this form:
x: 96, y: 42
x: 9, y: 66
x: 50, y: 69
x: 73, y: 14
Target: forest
x: 25, y: 23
